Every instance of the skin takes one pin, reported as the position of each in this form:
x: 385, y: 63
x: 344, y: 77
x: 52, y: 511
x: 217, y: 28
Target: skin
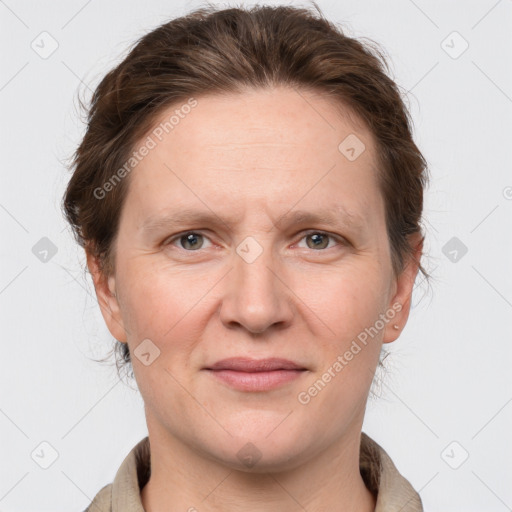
x: 252, y: 160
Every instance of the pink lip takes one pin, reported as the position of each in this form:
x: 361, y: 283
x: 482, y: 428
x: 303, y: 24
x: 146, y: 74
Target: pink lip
x: 245, y: 364
x: 255, y: 375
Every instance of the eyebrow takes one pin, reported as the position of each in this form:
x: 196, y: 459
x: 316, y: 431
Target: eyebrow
x: 339, y: 217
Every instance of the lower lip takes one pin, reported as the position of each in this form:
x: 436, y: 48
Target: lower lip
x: 256, y: 381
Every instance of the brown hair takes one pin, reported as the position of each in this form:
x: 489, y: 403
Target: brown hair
x: 225, y: 51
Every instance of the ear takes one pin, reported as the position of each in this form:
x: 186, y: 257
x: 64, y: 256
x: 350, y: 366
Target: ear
x: 404, y: 284
x: 105, y: 287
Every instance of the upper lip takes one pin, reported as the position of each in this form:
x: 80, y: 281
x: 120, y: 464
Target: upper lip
x: 244, y: 364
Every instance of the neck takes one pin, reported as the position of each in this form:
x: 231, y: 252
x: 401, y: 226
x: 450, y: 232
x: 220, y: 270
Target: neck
x: 183, y: 480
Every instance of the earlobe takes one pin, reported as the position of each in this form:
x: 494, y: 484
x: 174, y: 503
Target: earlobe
x: 105, y: 287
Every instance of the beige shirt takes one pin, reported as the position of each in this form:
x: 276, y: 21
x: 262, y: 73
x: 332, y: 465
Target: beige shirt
x: 392, y: 491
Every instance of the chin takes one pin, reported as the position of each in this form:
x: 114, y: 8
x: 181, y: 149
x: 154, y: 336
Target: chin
x: 261, y: 457
x: 262, y: 448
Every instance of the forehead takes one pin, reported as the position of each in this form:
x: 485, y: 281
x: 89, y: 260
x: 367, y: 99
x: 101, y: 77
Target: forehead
x: 266, y: 118
x: 254, y: 148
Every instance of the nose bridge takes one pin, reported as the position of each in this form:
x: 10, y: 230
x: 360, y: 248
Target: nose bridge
x: 256, y: 298
x: 253, y: 261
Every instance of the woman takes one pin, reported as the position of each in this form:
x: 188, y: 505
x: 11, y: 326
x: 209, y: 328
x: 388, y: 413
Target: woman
x: 249, y: 197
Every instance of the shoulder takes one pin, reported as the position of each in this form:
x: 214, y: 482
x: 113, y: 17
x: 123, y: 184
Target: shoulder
x: 381, y: 476
x: 123, y: 494
x: 102, y: 501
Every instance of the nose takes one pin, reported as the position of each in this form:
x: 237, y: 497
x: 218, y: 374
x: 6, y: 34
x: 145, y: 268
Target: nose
x: 256, y: 296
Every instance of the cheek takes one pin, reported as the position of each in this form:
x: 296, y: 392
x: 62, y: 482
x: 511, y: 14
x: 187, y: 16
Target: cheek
x: 349, y: 349
x: 167, y: 306
x: 351, y: 300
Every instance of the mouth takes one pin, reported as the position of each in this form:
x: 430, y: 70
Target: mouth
x: 254, y: 375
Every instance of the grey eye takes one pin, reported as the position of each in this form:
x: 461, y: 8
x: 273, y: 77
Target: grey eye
x: 194, y: 241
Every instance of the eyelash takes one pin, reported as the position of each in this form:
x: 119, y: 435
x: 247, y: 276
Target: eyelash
x: 170, y: 241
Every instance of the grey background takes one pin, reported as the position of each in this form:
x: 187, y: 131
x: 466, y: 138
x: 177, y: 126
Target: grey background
x: 448, y: 392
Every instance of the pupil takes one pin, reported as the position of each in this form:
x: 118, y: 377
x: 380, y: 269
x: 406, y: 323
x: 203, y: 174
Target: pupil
x: 191, y: 240
x: 317, y: 239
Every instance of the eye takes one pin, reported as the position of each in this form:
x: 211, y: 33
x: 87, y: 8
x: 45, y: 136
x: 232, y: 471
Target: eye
x: 318, y: 240
x: 190, y: 241
x: 193, y: 241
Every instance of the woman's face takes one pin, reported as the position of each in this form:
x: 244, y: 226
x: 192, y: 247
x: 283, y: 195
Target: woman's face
x: 286, y: 256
